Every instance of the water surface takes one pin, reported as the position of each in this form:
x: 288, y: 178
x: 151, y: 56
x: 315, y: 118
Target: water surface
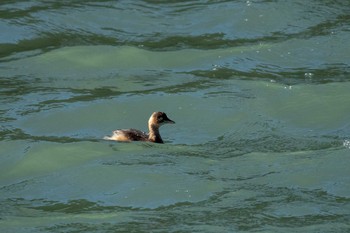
x: 259, y: 91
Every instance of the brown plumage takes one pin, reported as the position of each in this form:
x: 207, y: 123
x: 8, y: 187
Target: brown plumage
x: 156, y: 120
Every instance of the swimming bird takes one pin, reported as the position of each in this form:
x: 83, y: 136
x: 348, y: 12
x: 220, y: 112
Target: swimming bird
x: 156, y: 120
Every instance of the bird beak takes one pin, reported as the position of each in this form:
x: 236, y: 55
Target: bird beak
x: 169, y: 121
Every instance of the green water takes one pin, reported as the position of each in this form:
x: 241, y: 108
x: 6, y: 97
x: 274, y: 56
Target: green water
x: 259, y: 91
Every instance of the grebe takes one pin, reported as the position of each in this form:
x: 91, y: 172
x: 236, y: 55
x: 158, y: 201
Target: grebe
x: 156, y: 120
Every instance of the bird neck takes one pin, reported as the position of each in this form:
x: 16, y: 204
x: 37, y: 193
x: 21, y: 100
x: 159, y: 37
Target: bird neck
x: 154, y: 135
